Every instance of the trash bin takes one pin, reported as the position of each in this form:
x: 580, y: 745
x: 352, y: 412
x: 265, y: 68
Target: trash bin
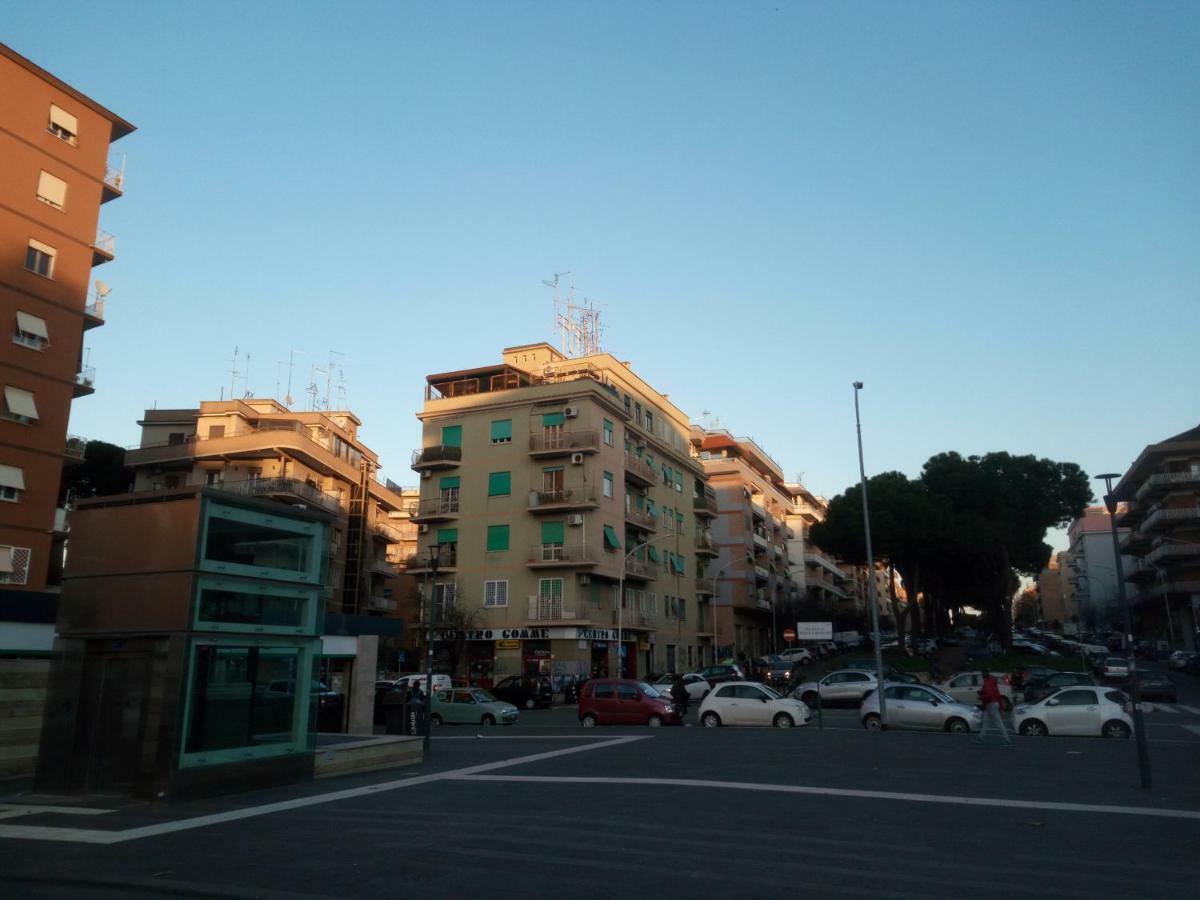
x: 402, y: 717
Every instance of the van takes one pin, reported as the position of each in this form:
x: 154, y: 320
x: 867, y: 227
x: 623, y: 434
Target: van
x: 440, y: 682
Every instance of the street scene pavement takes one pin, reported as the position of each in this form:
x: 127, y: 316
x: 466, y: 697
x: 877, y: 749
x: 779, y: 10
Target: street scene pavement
x: 545, y: 808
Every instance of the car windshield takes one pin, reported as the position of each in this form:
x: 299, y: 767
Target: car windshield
x: 770, y: 692
x: 941, y: 695
x: 482, y: 696
x: 649, y: 690
x: 1115, y: 661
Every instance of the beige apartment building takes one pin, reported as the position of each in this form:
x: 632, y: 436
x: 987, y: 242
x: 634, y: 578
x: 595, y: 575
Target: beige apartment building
x: 819, y: 578
x: 1056, y: 595
x: 750, y: 535
x: 260, y: 448
x: 570, y: 519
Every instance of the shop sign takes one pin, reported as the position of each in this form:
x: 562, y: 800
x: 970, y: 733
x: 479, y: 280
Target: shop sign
x: 600, y: 645
x: 499, y: 634
x: 508, y: 645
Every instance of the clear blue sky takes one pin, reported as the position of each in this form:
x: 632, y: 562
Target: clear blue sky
x: 990, y: 213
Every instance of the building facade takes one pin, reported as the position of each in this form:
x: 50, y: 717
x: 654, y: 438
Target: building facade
x: 1161, y: 492
x: 819, y: 578
x: 570, y: 521
x: 54, y: 150
x: 1057, y: 606
x: 750, y: 534
x: 1093, y: 569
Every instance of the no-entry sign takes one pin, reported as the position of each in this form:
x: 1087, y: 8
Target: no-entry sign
x: 789, y: 634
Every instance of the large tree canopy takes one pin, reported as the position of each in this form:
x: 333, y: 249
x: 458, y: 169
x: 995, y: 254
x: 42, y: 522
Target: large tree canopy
x: 102, y: 473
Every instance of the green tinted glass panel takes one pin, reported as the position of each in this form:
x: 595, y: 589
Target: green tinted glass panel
x: 450, y: 481
x: 447, y: 536
x: 497, y: 537
x: 610, y: 538
x: 551, y: 419
x: 499, y: 484
x: 502, y: 430
x: 452, y: 435
x: 553, y: 532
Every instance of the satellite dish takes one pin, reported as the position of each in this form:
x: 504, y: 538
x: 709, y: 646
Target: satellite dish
x: 102, y: 289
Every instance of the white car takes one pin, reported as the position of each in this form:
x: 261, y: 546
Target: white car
x: 1090, y: 711
x: 843, y: 686
x: 920, y: 706
x: 1179, y: 659
x: 799, y: 655
x: 696, y: 686
x: 440, y: 682
x: 750, y: 703
x: 964, y: 687
x: 927, y: 645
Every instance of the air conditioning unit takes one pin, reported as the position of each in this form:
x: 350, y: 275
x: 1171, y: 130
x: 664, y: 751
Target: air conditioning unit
x: 571, y: 411
x: 576, y: 519
x: 585, y: 579
x: 426, y: 473
x: 577, y: 459
x: 422, y: 529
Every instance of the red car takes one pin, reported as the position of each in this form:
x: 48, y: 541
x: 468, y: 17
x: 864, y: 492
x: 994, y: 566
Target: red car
x: 613, y: 701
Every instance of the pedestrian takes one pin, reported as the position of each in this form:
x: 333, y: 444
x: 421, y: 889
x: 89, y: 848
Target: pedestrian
x: 989, y: 696
x: 679, y: 696
x: 935, y: 671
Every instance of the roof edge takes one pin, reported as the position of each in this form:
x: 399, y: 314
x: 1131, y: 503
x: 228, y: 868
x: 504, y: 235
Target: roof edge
x: 120, y: 126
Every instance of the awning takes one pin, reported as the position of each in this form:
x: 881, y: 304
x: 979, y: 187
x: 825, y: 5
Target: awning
x: 677, y: 564
x: 20, y: 402
x: 450, y: 481
x: 34, y: 325
x: 610, y: 538
x: 12, y: 477
x: 447, y: 536
x: 549, y: 420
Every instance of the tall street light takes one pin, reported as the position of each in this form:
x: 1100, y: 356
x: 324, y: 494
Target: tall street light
x: 434, y: 552
x: 1110, y: 502
x: 862, y: 475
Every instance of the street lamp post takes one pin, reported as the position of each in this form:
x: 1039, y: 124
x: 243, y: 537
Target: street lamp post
x: 434, y: 552
x: 1110, y: 502
x: 862, y: 474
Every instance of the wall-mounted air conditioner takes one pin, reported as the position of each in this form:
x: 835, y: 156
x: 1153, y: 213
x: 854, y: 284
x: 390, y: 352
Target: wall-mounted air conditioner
x: 577, y: 459
x: 576, y: 519
x: 422, y: 529
x: 571, y: 411
x: 426, y: 473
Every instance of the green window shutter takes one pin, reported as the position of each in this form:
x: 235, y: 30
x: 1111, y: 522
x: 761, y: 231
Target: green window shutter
x: 452, y: 435
x: 447, y: 536
x: 450, y: 481
x: 501, y: 430
x: 499, y: 484
x: 652, y: 552
x: 549, y: 420
x: 652, y: 508
x: 611, y: 541
x: 679, y: 520
x: 678, y: 481
x: 553, y: 533
x: 497, y: 537
x: 608, y: 426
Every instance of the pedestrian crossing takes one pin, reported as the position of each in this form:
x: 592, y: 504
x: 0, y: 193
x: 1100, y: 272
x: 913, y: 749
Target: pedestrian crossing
x: 1175, y: 709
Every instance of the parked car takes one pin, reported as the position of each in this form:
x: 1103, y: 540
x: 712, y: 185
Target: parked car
x: 470, y: 706
x: 1090, y: 711
x: 890, y: 672
x: 696, y: 686
x: 845, y: 686
x: 526, y: 693
x: 1152, y: 686
x: 1179, y: 659
x: 920, y: 707
x: 799, y: 655
x: 1038, y: 688
x: 749, y: 703
x: 1114, y: 668
x: 720, y: 673
x: 964, y: 687
x: 1030, y: 647
x: 774, y: 671
x: 440, y: 682
x: 613, y: 701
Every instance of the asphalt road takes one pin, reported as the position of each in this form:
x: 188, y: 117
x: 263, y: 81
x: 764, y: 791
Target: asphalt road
x: 546, y: 809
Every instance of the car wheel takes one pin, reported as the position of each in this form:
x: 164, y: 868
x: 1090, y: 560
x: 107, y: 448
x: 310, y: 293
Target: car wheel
x: 872, y: 722
x: 782, y: 720
x: 810, y: 699
x: 488, y: 719
x: 588, y: 721
x: 710, y: 720
x: 1115, y: 729
x: 435, y: 719
x: 1006, y: 704
x: 654, y: 721
x: 1034, y: 728
x: 958, y: 726
x: 530, y: 703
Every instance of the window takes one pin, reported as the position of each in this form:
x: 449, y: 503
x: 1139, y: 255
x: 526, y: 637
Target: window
x: 627, y: 402
x: 451, y: 435
x: 608, y: 432
x: 445, y: 595
x: 63, y: 125
x: 604, y: 691
x: 14, y: 564
x: 233, y: 604
x: 19, y: 405
x: 553, y: 533
x: 12, y: 482
x: 52, y: 190
x: 214, y: 477
x: 238, y: 540
x: 31, y: 332
x: 627, y: 692
x: 637, y: 412
x: 611, y: 542
x: 550, y: 589
x: 650, y: 421
x: 678, y: 482
x: 607, y: 484
x: 501, y: 432
x: 499, y: 484
x: 1076, y: 698
x: 39, y: 258
x: 448, y: 494
x: 679, y: 522
x: 552, y: 482
x: 497, y: 538
x: 495, y: 593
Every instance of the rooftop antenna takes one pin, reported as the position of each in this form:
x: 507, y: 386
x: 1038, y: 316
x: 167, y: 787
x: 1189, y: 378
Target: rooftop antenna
x: 312, y: 390
x: 329, y: 374
x: 246, y: 393
x: 233, y: 373
x: 578, y: 324
x: 288, y: 400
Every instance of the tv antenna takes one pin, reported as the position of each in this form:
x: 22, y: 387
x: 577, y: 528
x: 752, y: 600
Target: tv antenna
x: 578, y: 324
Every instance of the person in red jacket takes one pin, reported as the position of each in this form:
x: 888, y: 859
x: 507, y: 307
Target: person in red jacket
x: 989, y: 696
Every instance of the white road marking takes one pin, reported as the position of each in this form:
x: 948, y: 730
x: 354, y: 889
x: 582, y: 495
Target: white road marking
x: 522, y: 737
x: 1191, y: 709
x: 847, y: 792
x: 1167, y: 709
x: 1194, y: 729
x: 26, y: 808
x: 92, y: 836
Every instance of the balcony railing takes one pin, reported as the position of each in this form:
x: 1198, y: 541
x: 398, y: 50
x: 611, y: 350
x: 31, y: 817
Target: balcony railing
x: 760, y: 572
x: 383, y: 567
x: 544, y: 610
x: 566, y: 498
x: 75, y: 447
x: 642, y: 519
x: 1162, y: 517
x: 704, y: 545
x: 554, y: 442
x: 114, y: 178
x: 637, y: 469
x: 561, y: 554
x: 381, y: 604
x: 387, y: 532
x: 447, y: 559
x: 95, y: 310
x: 437, y: 508
x: 705, y: 505
x: 85, y: 380
x: 436, y: 457
x: 632, y: 618
x: 289, y: 487
x: 761, y: 540
x: 1164, y: 481
x: 1172, y: 551
x: 104, y: 248
x: 639, y: 568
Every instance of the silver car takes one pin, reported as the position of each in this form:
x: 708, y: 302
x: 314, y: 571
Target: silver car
x: 920, y: 707
x: 844, y: 686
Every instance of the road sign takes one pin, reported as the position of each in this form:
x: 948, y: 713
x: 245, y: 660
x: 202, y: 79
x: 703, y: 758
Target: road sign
x: 814, y: 631
x: 789, y: 634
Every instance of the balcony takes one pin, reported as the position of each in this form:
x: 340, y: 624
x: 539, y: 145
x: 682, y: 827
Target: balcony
x: 640, y: 472
x: 758, y: 510
x: 640, y: 568
x: 74, y: 449
x: 439, y: 456
x: 1165, y: 482
x: 93, y: 313
x: 1171, y: 552
x: 561, y: 443
x: 1169, y: 518
x: 760, y: 573
x: 632, y: 618
x: 824, y: 562
x: 114, y: 183
x: 565, y: 500
x: 641, y: 519
x: 419, y: 562
x: 704, y: 546
x: 705, y: 506
x: 822, y: 583
x: 1156, y: 589
x: 104, y: 248
x: 761, y: 540
x: 376, y: 603
x: 61, y: 524
x: 85, y: 381
x: 560, y: 556
x: 282, y: 488
x: 386, y: 533
x: 1131, y: 514
x: 546, y: 610
x: 777, y: 549
x: 1132, y: 542
x: 378, y: 566
x: 437, y: 509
